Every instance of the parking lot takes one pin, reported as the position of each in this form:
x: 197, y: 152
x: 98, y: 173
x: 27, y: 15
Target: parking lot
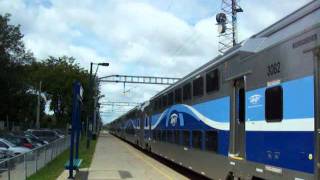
x: 20, y: 162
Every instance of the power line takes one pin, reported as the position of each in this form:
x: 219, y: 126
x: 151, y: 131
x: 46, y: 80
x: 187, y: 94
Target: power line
x: 156, y: 30
x: 183, y: 45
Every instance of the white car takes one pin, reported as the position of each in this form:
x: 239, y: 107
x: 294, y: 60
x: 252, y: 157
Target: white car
x: 16, y: 150
x: 4, y: 154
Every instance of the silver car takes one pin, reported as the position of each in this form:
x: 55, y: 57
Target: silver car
x: 8, y: 146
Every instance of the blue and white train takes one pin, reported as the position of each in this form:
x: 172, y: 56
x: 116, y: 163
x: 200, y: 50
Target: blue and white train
x: 252, y: 113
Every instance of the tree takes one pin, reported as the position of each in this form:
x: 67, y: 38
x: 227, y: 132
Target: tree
x: 20, y: 75
x: 57, y: 76
x: 13, y: 58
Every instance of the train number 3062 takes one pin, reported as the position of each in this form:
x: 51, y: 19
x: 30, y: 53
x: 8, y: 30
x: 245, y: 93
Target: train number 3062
x: 273, y: 69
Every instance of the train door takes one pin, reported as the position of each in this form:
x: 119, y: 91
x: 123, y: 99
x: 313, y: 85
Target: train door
x: 146, y: 125
x: 148, y: 133
x: 149, y: 127
x: 142, y: 124
x: 237, y: 125
x: 317, y: 113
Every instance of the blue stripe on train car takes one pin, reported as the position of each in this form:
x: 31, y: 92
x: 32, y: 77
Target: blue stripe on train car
x: 223, y: 142
x: 282, y: 149
x: 289, y: 146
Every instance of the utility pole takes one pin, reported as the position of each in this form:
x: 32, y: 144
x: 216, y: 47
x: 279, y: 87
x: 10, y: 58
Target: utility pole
x: 38, y: 106
x: 94, y: 129
x: 89, y: 129
x: 91, y: 101
x: 234, y: 23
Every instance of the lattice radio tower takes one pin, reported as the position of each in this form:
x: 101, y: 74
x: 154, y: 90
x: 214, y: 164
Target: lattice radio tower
x: 227, y: 24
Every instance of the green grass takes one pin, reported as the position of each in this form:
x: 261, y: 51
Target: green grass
x: 54, y: 168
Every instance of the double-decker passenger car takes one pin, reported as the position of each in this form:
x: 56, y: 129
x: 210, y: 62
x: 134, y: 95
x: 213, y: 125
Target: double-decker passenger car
x: 252, y: 113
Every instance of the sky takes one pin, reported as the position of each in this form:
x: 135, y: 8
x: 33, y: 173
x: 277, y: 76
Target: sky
x: 137, y: 37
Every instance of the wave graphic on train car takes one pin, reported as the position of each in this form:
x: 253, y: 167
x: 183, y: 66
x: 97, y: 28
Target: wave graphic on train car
x: 214, y: 114
x: 182, y: 109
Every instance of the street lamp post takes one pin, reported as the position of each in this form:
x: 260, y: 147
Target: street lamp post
x: 91, y: 100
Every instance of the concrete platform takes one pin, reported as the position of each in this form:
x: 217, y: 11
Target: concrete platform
x: 115, y: 159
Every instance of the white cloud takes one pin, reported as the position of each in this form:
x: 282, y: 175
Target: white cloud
x: 164, y: 38
x: 260, y: 14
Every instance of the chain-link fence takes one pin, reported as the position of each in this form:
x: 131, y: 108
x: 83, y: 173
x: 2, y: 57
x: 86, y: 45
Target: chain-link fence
x: 24, y: 165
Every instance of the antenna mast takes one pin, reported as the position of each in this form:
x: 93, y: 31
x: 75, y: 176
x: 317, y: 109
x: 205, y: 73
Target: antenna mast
x: 227, y: 24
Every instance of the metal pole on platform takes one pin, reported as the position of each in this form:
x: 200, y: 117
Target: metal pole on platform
x: 89, y: 113
x: 73, y: 127
x: 78, y: 131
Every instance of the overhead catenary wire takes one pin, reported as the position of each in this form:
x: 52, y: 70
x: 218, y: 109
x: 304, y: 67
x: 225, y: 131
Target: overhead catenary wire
x: 179, y: 49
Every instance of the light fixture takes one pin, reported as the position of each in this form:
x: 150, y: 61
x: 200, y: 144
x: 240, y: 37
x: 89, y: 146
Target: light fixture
x: 103, y: 64
x: 221, y: 19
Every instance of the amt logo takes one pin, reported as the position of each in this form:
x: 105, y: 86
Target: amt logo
x: 173, y: 119
x: 254, y: 99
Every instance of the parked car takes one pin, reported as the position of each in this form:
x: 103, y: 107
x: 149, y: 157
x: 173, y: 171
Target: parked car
x: 20, y: 141
x: 30, y: 141
x: 4, y: 154
x: 36, y: 139
x: 16, y: 150
x: 45, y: 135
x: 59, y: 133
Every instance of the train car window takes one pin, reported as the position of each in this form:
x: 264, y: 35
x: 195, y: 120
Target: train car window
x: 164, y: 101
x: 154, y: 105
x: 274, y: 104
x: 242, y: 105
x: 158, y: 135
x: 154, y: 134
x: 170, y: 99
x: 159, y: 138
x: 211, y: 141
x: 131, y: 131
x: 170, y: 136
x: 178, y: 96
x: 198, y: 86
x: 159, y: 103
x: 197, y: 139
x: 212, y: 81
x: 163, y: 135
x: 187, y: 92
x: 146, y: 122
x: 186, y: 138
x: 177, y: 137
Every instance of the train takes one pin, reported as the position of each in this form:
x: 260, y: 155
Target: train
x: 251, y: 113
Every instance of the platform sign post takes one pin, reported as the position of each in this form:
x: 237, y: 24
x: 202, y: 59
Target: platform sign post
x: 75, y: 125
